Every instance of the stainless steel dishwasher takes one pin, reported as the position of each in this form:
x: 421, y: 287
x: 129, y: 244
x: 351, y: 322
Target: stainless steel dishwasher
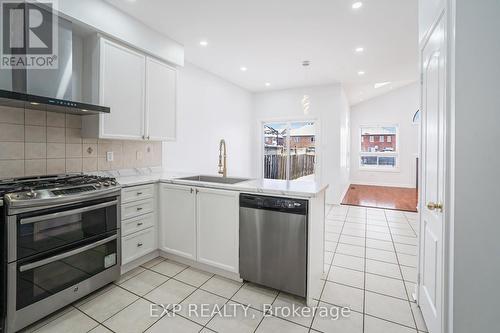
x: 273, y: 242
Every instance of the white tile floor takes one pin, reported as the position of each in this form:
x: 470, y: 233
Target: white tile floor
x: 370, y: 264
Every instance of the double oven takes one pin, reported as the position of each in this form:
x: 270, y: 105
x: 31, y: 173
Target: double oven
x: 58, y: 252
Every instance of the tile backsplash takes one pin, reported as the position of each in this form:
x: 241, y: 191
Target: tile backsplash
x: 38, y: 143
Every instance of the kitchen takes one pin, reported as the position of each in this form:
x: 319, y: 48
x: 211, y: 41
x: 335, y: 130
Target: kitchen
x: 160, y: 171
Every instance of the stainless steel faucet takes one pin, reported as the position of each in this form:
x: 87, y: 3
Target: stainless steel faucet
x: 222, y: 158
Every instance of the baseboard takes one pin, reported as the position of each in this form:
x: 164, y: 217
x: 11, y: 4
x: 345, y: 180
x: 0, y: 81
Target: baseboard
x: 203, y: 267
x: 344, y: 193
x: 356, y: 182
x: 338, y: 201
x: 139, y: 261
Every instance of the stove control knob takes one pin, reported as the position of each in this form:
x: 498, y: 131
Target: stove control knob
x: 98, y: 184
x: 105, y: 183
x: 113, y: 182
x: 31, y: 194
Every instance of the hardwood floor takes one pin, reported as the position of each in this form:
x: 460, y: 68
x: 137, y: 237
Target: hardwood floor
x: 397, y: 198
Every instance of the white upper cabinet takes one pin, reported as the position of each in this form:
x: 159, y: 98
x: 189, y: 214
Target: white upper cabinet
x: 140, y: 90
x: 122, y: 88
x: 161, y: 81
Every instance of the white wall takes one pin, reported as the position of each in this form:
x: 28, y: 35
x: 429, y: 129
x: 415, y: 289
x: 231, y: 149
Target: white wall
x: 396, y: 107
x: 330, y: 108
x: 209, y: 109
x: 476, y: 165
x: 105, y: 18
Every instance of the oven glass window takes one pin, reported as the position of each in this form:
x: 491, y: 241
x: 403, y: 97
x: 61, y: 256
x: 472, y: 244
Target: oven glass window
x: 39, y: 233
x: 35, y: 284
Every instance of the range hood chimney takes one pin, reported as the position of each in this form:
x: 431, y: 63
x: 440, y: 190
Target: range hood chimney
x: 48, y: 89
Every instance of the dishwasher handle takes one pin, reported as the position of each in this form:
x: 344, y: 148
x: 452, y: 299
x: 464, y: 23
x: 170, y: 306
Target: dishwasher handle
x: 278, y: 204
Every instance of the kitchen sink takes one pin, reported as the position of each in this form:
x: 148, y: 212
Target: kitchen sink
x: 214, y: 179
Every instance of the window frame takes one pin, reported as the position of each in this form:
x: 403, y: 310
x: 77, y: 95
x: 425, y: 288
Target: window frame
x: 396, y: 153
x: 288, y: 121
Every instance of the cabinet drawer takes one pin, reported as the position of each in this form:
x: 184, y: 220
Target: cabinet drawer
x: 138, y: 223
x: 137, y: 193
x: 137, y: 245
x: 136, y: 208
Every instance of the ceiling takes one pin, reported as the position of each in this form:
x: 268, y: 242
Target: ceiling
x: 271, y: 38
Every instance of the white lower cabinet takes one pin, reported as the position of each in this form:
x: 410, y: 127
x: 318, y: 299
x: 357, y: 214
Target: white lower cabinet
x: 217, y: 222
x: 138, y: 244
x: 177, y: 220
x: 200, y: 224
x: 138, y: 222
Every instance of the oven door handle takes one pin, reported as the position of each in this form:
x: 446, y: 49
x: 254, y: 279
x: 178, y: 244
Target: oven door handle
x: 61, y: 256
x: 39, y: 218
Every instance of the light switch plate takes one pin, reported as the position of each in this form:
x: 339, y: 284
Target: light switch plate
x: 109, y: 156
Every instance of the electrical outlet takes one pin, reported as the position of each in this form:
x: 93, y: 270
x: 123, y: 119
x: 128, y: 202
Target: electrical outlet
x: 138, y: 155
x: 109, y: 156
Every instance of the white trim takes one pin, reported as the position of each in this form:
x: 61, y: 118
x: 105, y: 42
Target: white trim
x: 355, y: 182
x: 317, y: 141
x: 449, y: 218
x: 396, y: 153
x: 343, y: 194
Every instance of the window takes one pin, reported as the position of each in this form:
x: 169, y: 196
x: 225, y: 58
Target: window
x: 382, y: 154
x: 289, y: 150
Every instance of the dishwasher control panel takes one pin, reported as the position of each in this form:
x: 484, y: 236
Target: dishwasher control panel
x: 288, y: 205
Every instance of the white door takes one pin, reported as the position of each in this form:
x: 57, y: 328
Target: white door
x: 161, y: 81
x: 218, y: 225
x: 177, y: 223
x: 433, y: 181
x: 121, y: 87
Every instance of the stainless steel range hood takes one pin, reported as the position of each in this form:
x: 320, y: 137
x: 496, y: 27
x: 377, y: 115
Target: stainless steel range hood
x: 48, y: 89
x: 42, y: 103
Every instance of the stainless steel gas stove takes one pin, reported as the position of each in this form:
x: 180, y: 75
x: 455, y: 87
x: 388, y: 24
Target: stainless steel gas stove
x: 60, y: 241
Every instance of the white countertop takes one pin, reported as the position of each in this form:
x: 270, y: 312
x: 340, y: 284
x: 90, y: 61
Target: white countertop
x: 295, y: 188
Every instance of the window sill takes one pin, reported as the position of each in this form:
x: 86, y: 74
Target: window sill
x: 368, y: 169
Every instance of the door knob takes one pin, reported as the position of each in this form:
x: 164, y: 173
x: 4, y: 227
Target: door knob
x: 435, y: 205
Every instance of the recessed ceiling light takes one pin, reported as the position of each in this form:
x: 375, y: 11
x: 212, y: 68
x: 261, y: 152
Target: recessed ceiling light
x: 243, y: 69
x: 380, y: 84
x: 360, y: 73
x: 203, y: 43
x: 357, y: 5
x: 359, y: 49
x: 268, y: 84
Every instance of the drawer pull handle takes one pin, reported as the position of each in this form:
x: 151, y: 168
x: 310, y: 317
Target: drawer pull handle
x: 139, y: 208
x: 139, y: 224
x: 139, y: 244
x: 139, y: 193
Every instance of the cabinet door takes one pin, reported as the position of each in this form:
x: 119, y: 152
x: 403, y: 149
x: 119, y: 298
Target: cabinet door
x: 122, y: 88
x: 177, y: 220
x: 218, y: 225
x: 161, y: 81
